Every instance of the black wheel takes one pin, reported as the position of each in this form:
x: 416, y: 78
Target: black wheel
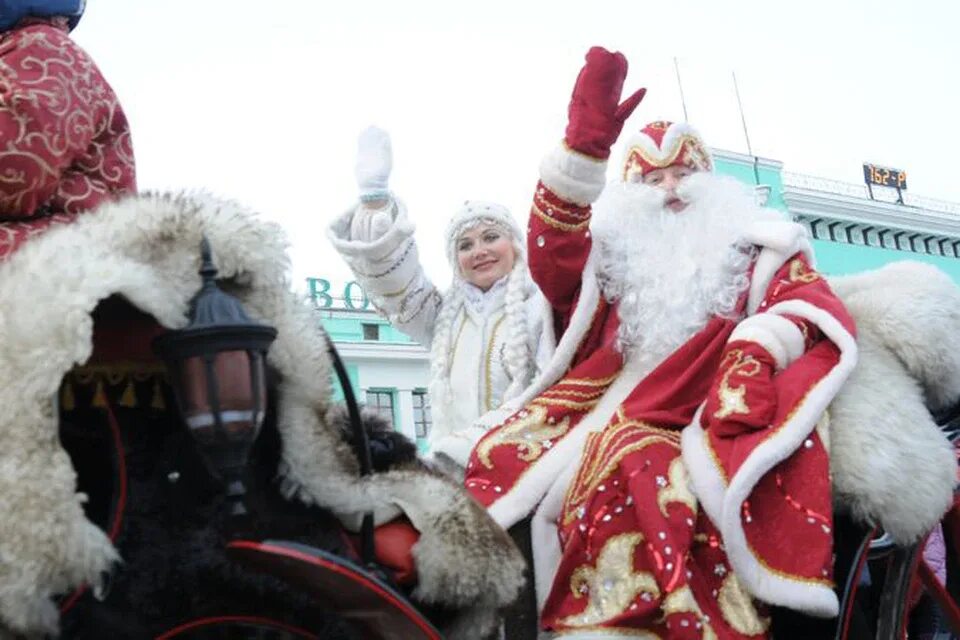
x: 236, y: 628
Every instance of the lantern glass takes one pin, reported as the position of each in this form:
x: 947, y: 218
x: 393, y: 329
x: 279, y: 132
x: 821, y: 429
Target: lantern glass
x: 223, y: 395
x: 222, y: 398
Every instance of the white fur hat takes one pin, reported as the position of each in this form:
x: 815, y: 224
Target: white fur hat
x: 474, y: 212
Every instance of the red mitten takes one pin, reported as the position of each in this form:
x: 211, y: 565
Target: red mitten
x: 394, y: 542
x: 393, y: 547
x: 596, y: 115
x: 743, y: 398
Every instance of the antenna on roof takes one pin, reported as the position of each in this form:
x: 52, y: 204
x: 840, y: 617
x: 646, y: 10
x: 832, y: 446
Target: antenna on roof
x: 746, y: 135
x: 676, y: 66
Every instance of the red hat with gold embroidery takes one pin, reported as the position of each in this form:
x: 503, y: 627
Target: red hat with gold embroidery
x: 665, y: 144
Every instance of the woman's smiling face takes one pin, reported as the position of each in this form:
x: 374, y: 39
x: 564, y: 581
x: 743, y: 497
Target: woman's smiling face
x: 485, y: 254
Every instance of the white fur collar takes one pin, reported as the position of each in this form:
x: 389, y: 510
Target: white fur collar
x: 479, y: 304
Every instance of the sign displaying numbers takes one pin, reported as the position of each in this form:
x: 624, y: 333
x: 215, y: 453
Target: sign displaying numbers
x: 884, y: 176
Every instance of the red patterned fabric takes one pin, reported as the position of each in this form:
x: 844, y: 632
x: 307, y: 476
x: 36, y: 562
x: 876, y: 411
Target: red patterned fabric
x: 66, y: 143
x: 637, y: 549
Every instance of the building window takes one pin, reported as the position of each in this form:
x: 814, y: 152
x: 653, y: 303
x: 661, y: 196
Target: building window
x: 371, y: 331
x: 382, y: 403
x: 422, y: 419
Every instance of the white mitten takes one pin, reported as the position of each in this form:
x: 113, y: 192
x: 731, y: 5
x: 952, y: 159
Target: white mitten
x: 370, y: 224
x: 374, y: 161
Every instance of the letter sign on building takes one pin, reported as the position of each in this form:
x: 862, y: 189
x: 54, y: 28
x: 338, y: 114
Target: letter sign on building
x: 320, y: 295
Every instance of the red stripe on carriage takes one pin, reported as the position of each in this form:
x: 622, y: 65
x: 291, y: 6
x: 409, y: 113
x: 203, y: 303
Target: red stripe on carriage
x: 121, y: 471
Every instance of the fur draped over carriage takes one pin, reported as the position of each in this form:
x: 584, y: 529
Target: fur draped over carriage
x: 144, y: 250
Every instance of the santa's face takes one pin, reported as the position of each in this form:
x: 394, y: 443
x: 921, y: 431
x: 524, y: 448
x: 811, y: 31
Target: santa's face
x: 668, y: 179
x: 485, y: 254
x: 671, y: 273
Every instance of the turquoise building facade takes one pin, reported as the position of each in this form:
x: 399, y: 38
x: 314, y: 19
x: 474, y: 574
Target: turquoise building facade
x: 851, y: 231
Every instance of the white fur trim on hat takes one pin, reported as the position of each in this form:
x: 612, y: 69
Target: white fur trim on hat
x: 671, y: 146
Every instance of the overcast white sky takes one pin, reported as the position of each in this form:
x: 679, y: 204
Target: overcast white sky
x: 262, y: 101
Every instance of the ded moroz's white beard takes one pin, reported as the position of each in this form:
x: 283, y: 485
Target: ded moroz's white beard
x: 671, y: 272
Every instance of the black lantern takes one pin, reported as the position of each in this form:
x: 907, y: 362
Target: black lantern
x: 218, y: 372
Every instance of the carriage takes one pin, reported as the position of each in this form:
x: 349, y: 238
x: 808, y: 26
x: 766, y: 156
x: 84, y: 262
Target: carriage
x: 222, y: 473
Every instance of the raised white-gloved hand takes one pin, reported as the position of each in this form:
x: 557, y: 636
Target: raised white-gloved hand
x: 374, y: 161
x: 369, y: 224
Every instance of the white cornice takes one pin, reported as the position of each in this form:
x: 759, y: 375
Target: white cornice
x: 811, y: 203
x: 382, y: 351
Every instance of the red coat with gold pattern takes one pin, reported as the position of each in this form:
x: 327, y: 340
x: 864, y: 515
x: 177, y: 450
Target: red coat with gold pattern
x: 65, y: 140
x: 656, y: 522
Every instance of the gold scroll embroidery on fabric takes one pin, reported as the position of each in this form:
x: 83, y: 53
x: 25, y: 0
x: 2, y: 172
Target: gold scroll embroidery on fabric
x: 589, y: 382
x: 557, y: 224
x: 604, y: 452
x: 737, y: 608
x: 682, y: 601
x: 529, y: 432
x: 800, y: 272
x: 610, y: 586
x: 677, y: 488
x: 733, y: 399
x: 576, y: 405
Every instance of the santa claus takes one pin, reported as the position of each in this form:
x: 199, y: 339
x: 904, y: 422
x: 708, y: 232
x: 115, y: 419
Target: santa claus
x: 669, y: 453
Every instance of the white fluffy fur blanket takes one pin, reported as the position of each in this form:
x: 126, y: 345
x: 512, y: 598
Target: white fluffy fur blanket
x: 146, y: 249
x: 891, y: 464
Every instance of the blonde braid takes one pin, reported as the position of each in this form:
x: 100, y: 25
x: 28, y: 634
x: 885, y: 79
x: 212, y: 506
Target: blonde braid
x: 517, y: 356
x: 440, y: 360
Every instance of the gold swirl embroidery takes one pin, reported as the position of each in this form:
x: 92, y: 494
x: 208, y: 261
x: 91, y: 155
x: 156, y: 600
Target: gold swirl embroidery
x: 70, y: 133
x: 529, y: 432
x: 602, y: 456
x: 800, y: 272
x: 560, y: 395
x: 547, y: 401
x: 737, y: 608
x: 556, y: 224
x: 683, y: 601
x: 733, y: 399
x: 612, y: 585
x: 570, y: 393
x: 589, y: 382
x: 677, y: 489
x: 488, y: 374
